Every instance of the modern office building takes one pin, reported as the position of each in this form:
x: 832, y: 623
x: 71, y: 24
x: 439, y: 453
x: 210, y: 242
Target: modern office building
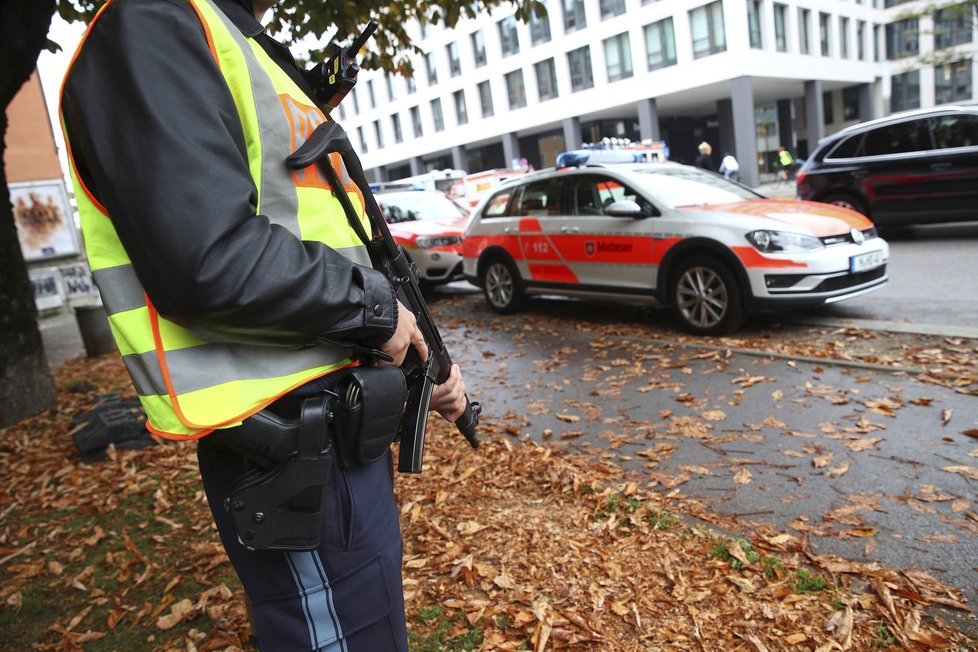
x: 746, y: 76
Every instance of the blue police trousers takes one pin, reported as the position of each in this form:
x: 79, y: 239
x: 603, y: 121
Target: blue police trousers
x: 345, y: 596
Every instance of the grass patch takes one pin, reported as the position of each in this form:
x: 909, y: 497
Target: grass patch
x: 443, y: 631
x: 805, y: 582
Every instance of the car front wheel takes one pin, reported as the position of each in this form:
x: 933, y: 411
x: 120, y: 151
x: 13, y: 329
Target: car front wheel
x: 706, y: 297
x: 501, y: 285
x: 846, y: 201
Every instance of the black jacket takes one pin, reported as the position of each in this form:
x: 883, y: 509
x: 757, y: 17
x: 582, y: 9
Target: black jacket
x: 156, y: 137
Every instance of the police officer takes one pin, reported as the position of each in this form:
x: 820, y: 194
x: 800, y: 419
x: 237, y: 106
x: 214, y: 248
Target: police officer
x: 235, y: 285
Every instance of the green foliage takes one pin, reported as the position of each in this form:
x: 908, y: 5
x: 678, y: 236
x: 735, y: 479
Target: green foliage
x: 885, y: 638
x: 391, y: 45
x: 805, y: 582
x: 721, y: 551
x: 773, y: 567
x: 439, y: 629
x: 662, y: 519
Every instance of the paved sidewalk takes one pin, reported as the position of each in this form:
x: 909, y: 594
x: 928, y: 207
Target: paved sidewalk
x: 62, y: 339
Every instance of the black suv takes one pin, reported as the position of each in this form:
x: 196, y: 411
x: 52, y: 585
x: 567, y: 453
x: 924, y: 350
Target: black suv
x: 910, y: 168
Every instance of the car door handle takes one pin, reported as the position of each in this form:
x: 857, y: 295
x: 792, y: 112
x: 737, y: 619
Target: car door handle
x: 511, y: 229
x: 940, y: 166
x: 859, y: 174
x: 569, y: 229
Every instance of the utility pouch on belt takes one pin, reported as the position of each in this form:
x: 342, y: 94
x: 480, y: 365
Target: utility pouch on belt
x: 280, y: 508
x: 368, y: 413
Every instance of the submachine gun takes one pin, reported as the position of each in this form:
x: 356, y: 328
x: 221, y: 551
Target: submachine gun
x: 386, y: 256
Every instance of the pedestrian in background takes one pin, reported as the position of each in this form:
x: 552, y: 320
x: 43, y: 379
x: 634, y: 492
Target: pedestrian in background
x: 703, y: 160
x: 729, y: 167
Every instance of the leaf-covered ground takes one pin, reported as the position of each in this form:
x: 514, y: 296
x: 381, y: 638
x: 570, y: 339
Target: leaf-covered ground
x: 516, y: 547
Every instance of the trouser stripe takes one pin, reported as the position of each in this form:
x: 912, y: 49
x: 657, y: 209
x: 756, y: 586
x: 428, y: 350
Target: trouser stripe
x: 317, y: 605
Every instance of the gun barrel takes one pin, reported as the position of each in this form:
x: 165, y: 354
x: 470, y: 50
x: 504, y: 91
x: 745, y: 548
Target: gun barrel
x: 361, y: 39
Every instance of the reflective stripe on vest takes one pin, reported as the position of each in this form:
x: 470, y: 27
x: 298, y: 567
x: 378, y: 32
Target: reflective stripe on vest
x: 189, y: 386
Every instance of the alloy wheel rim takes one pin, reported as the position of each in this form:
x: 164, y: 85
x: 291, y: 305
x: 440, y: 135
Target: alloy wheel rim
x: 702, y: 297
x: 499, y: 285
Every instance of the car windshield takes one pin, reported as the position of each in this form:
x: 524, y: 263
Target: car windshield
x: 685, y: 186
x: 418, y: 205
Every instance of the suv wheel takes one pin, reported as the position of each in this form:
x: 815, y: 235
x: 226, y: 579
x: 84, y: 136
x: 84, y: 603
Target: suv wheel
x: 846, y: 201
x: 706, y: 297
x: 502, y: 286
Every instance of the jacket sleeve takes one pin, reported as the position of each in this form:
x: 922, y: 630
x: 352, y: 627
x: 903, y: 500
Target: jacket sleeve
x: 156, y: 137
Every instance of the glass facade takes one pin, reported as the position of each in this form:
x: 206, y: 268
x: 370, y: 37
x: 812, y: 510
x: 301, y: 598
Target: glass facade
x: 707, y: 30
x: 508, y: 36
x: 952, y: 82
x: 660, y: 44
x: 546, y: 72
x: 516, y: 89
x: 574, y: 18
x: 485, y: 99
x: 579, y: 61
x: 903, y: 38
x: 478, y: 49
x: 618, y: 57
x: 905, y: 91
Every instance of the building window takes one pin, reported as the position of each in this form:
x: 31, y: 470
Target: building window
x: 363, y: 140
x: 460, y: 111
x: 539, y: 28
x: 370, y: 94
x: 780, y: 27
x: 828, y: 111
x: 823, y: 33
x: 902, y: 38
x: 574, y: 18
x: 546, y: 79
x: 844, y: 38
x: 416, y: 122
x: 412, y: 85
x: 877, y: 37
x: 754, y: 23
x: 437, y: 115
x: 618, y: 57
x: 396, y: 127
x: 952, y: 82
x: 612, y: 8
x: 850, y: 103
x: 389, y: 82
x: 861, y: 40
x: 429, y: 62
x: 478, y: 49
x: 804, y: 29
x: 356, y: 100
x: 660, y: 44
x: 953, y: 26
x: 342, y: 112
x: 485, y: 99
x: 905, y: 91
x: 379, y: 133
x: 579, y: 61
x: 454, y: 65
x: 508, y: 37
x: 516, y: 89
x: 706, y: 26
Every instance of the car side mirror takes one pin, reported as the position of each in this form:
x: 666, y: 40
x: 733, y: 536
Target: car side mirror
x: 624, y: 208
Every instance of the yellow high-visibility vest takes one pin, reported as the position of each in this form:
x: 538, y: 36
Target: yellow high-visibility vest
x: 191, y: 384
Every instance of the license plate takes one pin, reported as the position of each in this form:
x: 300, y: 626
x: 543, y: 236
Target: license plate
x: 866, y: 261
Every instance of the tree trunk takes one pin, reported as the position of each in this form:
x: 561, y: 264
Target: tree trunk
x: 26, y: 387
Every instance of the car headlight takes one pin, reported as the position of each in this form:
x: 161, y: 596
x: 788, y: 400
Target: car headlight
x: 771, y: 241
x: 425, y: 242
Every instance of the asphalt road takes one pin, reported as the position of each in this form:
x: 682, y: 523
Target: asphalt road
x: 853, y: 460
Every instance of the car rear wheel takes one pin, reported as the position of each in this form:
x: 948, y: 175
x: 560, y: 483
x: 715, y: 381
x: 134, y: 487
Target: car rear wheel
x: 706, y: 297
x: 846, y: 201
x: 502, y: 286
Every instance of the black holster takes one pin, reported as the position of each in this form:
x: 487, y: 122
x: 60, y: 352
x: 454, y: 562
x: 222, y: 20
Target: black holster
x: 280, y: 508
x: 369, y: 410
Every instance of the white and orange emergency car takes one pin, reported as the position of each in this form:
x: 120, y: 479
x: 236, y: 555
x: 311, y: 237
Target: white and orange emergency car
x: 428, y: 224
x: 712, y: 249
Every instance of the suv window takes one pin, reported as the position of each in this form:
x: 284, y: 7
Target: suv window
x: 903, y: 137
x: 591, y: 194
x: 847, y: 148
x: 956, y: 130
x: 541, y: 198
x: 497, y: 205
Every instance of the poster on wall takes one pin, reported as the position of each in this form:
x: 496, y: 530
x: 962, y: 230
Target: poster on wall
x: 44, y: 221
x: 47, y: 290
x: 77, y: 282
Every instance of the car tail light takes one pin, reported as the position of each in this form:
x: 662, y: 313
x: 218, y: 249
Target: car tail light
x: 800, y: 178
